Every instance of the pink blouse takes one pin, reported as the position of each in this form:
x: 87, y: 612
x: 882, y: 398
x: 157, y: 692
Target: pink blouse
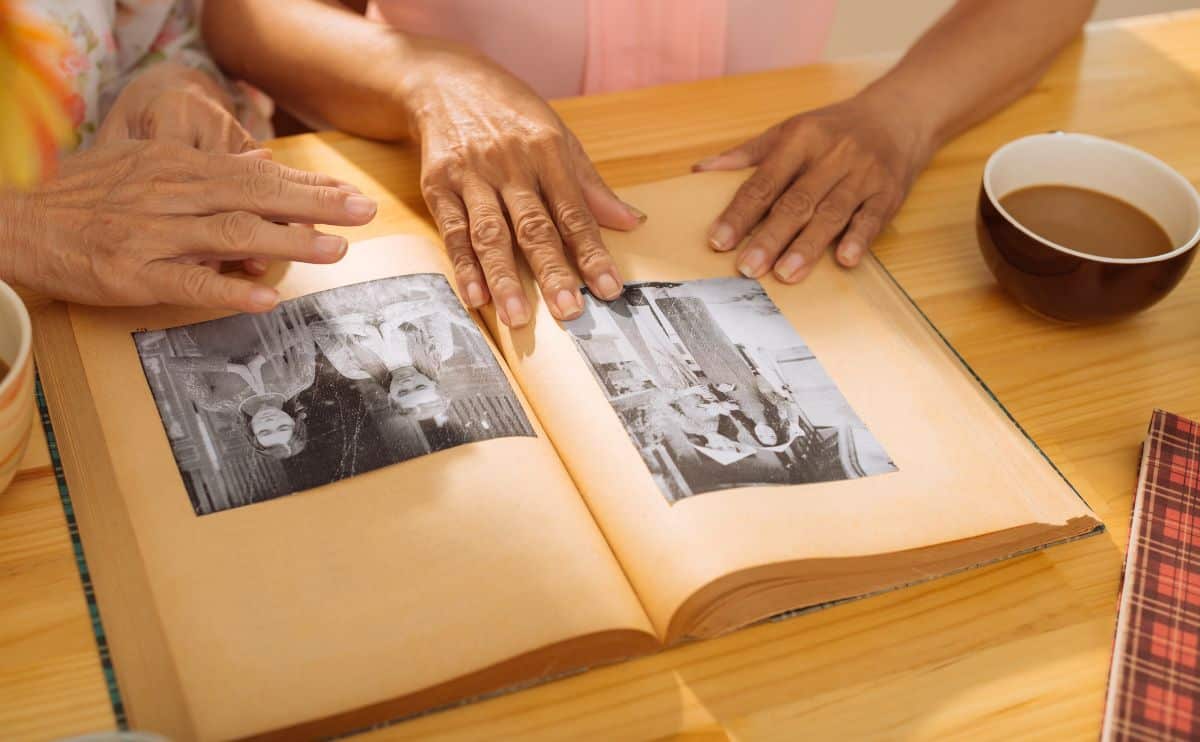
x: 568, y: 47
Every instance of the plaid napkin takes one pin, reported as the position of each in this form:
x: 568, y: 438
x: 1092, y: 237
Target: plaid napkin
x: 1154, y: 682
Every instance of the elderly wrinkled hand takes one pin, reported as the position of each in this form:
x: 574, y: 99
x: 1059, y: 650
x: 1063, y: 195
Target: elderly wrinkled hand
x: 500, y: 171
x: 137, y: 223
x: 175, y: 103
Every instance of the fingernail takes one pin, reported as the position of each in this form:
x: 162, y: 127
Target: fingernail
x: 787, y: 268
x: 475, y: 295
x: 330, y: 246
x: 360, y: 207
x: 636, y: 212
x: 706, y: 163
x: 607, y: 286
x: 850, y: 253
x: 517, y: 313
x: 752, y: 263
x: 720, y: 236
x: 348, y: 188
x: 263, y: 297
x: 261, y: 153
x: 569, y: 304
x: 254, y: 265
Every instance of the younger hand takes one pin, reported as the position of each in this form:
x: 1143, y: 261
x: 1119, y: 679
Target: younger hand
x: 835, y: 175
x: 138, y: 223
x: 175, y: 103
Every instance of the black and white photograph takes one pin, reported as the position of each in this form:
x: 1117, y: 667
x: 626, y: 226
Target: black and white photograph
x: 717, y: 390
x: 324, y: 387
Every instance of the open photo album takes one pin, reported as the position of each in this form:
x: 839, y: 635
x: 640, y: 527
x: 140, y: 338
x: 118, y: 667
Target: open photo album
x: 371, y: 502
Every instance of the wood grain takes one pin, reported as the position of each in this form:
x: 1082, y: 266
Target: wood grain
x: 1019, y: 649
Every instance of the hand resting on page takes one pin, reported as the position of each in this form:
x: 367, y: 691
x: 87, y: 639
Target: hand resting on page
x: 139, y: 223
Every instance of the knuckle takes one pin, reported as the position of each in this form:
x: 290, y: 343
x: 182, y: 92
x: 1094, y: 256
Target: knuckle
x: 868, y: 221
x: 238, y: 229
x: 795, y: 204
x: 261, y: 167
x: 436, y: 173
x: 594, y: 261
x: 554, y: 274
x: 464, y: 264
x: 758, y: 190
x: 454, y: 230
x: 575, y: 219
x: 261, y: 188
x: 535, y: 229
x: 548, y: 138
x: 494, y: 262
x: 834, y: 209
x: 194, y: 284
x: 488, y: 229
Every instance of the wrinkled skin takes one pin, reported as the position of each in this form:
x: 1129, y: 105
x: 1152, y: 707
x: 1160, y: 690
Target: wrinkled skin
x: 139, y: 223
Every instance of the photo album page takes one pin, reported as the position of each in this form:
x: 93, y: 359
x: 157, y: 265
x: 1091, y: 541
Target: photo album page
x: 351, y: 473
x: 746, y: 444
x: 422, y: 505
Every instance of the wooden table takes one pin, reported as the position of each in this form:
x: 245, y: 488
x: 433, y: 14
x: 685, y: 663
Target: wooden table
x: 1019, y: 649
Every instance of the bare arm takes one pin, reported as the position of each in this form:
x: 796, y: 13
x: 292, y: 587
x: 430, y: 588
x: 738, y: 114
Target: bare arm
x: 489, y: 145
x: 316, y: 57
x: 979, y: 57
x: 837, y: 175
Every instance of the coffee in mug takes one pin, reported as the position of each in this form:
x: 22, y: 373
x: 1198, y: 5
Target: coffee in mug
x: 1083, y: 229
x: 1087, y: 221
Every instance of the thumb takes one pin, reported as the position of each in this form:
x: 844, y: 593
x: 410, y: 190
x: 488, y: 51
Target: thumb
x: 748, y: 153
x: 608, y: 209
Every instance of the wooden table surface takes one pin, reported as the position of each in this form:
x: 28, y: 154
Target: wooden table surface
x: 1019, y: 649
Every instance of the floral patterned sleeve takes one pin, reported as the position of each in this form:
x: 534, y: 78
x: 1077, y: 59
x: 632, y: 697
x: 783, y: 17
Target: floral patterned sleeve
x: 114, y: 40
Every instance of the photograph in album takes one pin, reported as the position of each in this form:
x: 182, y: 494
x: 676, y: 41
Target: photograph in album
x: 717, y: 390
x: 324, y: 387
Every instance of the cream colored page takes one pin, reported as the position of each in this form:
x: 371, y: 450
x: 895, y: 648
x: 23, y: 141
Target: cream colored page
x: 364, y: 590
x: 963, y: 469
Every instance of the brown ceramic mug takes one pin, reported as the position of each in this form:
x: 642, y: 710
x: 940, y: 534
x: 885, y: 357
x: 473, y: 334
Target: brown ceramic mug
x: 1065, y: 284
x: 16, y: 388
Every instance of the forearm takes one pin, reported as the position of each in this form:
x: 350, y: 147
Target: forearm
x: 17, y: 227
x: 978, y: 58
x: 317, y: 58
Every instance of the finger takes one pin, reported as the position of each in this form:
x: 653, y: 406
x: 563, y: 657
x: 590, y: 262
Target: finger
x: 224, y: 133
x: 257, y: 162
x: 794, y: 209
x: 254, y: 266
x: 754, y: 197
x: 750, y: 152
x: 491, y: 243
x: 832, y: 215
x: 273, y: 198
x: 450, y: 214
x: 239, y: 235
x: 538, y: 237
x: 258, y: 153
x: 580, y: 234
x: 607, y: 208
x: 199, y: 286
x: 866, y: 225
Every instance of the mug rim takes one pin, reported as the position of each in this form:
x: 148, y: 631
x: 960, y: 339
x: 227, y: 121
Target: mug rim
x: 1169, y: 171
x: 25, y: 347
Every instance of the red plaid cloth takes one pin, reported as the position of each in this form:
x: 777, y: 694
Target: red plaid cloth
x: 1154, y: 683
